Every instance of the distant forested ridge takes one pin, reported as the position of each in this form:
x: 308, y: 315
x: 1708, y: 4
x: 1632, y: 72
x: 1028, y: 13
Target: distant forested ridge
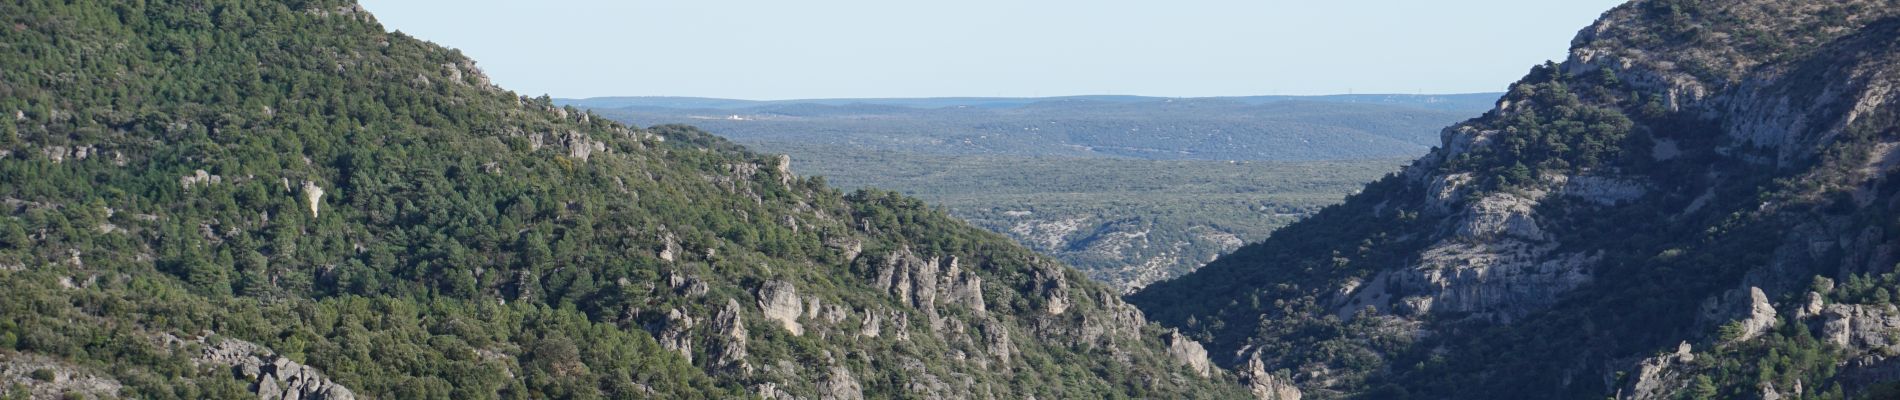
x: 1264, y: 128
x: 1130, y: 189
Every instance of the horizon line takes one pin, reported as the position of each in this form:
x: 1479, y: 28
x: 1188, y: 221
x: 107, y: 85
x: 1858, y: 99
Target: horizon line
x: 1015, y: 97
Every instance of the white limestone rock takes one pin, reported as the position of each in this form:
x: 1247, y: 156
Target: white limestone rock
x: 313, y: 194
x: 778, y: 300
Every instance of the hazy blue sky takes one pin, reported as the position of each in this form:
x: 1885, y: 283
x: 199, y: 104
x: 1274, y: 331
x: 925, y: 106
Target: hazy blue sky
x: 776, y: 49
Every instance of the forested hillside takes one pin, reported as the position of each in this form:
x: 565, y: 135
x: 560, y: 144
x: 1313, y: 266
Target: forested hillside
x: 1699, y: 203
x: 226, y: 199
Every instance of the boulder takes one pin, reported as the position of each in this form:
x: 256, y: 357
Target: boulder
x: 778, y: 300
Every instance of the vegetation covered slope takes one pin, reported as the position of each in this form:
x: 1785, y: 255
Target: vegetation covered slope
x: 214, y: 199
x: 1699, y: 203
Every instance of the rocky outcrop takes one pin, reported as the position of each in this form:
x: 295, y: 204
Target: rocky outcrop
x: 778, y: 300
x: 1500, y: 216
x: 669, y: 247
x: 1862, y: 327
x: 199, y: 177
x: 996, y: 338
x: 1496, y: 263
x: 58, y: 154
x: 50, y: 378
x: 1263, y: 383
x: 272, y: 376
x: 782, y: 166
x: 728, y: 344
x: 1054, y: 290
x: 840, y: 385
x: 686, y: 285
x: 581, y: 147
x: 1189, y: 353
x: 1814, y: 306
x: 314, y: 195
x: 849, y: 246
x: 926, y: 283
x: 675, y: 333
x: 871, y: 326
x: 1661, y: 377
x: 1760, y: 317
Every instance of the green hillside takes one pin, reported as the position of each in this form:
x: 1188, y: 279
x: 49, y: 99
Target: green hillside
x: 219, y: 199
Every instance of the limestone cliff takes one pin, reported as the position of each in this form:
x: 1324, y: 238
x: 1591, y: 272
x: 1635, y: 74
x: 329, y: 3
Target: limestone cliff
x: 1678, y: 181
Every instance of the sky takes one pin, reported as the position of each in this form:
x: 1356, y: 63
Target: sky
x: 776, y: 49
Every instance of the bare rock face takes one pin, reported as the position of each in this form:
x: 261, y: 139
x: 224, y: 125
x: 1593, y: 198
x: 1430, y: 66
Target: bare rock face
x: 729, y: 340
x: 996, y: 337
x: 778, y: 300
x: 58, y: 154
x: 1054, y: 289
x: 840, y: 385
x: 1501, y: 215
x: 581, y: 147
x: 1861, y: 327
x: 926, y: 284
x: 1263, y: 383
x: 199, y: 177
x: 871, y: 325
x: 66, y: 379
x: 455, y: 74
x: 783, y: 167
x: 670, y: 247
x: 273, y: 376
x: 1447, y: 190
x: 1496, y: 264
x: 313, y: 194
x: 850, y: 246
x: 1815, y: 305
x: 1189, y: 353
x: 676, y: 333
x: 686, y: 285
x: 1660, y: 377
x: 770, y: 391
x: 1761, y: 316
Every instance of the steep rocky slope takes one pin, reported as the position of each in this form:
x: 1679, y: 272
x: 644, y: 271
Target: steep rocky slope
x: 1691, y: 182
x: 216, y: 199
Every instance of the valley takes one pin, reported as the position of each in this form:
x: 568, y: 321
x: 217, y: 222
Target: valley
x: 1131, y: 190
x: 230, y: 199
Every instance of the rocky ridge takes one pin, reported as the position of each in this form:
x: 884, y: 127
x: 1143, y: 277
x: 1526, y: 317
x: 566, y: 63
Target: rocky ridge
x: 271, y: 376
x: 1732, y: 149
